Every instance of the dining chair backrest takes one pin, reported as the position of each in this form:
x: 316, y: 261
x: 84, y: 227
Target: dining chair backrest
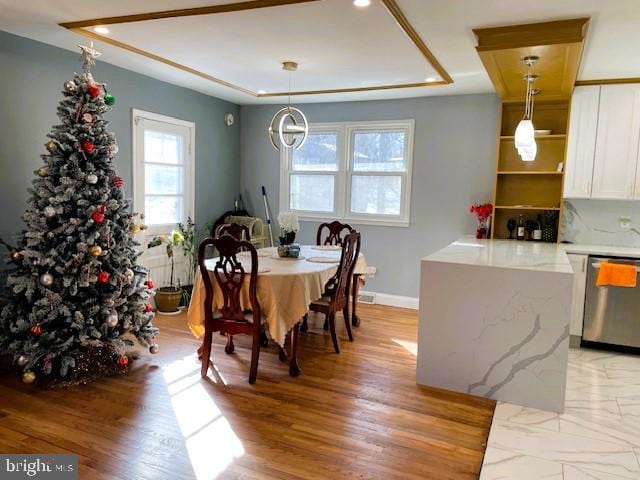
x: 335, y: 236
x: 229, y: 274
x: 348, y: 259
x: 237, y: 231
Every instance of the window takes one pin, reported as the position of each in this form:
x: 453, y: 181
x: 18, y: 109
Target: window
x: 359, y: 172
x: 163, y: 169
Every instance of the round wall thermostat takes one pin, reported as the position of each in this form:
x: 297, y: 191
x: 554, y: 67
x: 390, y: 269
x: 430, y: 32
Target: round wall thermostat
x: 228, y: 119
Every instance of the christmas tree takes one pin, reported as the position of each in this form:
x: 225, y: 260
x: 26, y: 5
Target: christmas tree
x: 77, y: 295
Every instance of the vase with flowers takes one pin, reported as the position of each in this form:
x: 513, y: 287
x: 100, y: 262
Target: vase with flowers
x: 289, y: 226
x: 483, y: 213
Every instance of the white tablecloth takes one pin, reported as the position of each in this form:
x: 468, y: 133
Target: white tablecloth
x: 285, y: 289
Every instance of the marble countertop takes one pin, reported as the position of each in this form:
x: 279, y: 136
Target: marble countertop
x: 518, y: 255
x: 606, y: 250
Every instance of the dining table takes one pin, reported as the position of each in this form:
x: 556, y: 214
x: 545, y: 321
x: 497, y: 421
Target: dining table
x: 286, y: 286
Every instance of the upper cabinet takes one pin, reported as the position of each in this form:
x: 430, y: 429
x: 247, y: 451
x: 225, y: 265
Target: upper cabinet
x: 582, y: 142
x: 604, y: 133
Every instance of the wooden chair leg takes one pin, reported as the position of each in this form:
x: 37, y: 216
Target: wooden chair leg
x: 206, y: 352
x: 326, y: 323
x: 255, y: 355
x: 347, y: 322
x: 304, y: 326
x: 229, y: 348
x: 264, y: 340
x: 355, y: 320
x: 332, y: 328
x: 294, y: 368
x: 200, y: 349
x: 282, y: 354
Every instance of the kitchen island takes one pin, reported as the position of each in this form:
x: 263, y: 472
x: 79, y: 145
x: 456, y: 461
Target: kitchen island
x: 494, y: 321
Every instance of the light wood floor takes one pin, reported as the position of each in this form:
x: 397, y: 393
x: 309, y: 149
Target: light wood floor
x: 354, y: 415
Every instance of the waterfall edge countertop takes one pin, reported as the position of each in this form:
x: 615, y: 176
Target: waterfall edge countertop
x: 515, y: 254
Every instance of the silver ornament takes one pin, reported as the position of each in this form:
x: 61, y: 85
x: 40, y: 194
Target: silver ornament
x: 22, y: 360
x: 112, y: 150
x: 50, y: 211
x: 112, y: 320
x: 46, y: 279
x: 70, y: 86
x: 43, y: 171
x: 92, y: 179
x: 128, y: 274
x: 154, y: 348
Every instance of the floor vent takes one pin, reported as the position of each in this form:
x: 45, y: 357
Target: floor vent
x: 369, y: 298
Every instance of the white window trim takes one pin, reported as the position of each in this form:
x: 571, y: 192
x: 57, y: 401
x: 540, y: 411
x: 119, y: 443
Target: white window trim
x: 342, y: 192
x: 138, y: 165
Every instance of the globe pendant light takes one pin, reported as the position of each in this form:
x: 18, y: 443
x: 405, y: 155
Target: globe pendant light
x: 525, y: 140
x: 289, y: 127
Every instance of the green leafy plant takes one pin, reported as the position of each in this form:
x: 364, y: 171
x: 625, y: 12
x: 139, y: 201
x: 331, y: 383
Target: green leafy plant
x: 188, y: 231
x: 175, y: 239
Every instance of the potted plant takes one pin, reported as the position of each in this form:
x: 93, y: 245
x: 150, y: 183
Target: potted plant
x: 168, y: 298
x: 188, y: 231
x: 289, y: 226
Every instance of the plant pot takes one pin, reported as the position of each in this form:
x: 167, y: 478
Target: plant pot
x: 168, y: 299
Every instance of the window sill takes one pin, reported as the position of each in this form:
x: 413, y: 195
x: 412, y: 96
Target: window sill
x: 356, y: 221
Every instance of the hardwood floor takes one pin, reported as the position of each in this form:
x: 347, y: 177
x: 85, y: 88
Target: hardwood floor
x: 354, y: 415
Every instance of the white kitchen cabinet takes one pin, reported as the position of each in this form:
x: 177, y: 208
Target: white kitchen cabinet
x: 579, y: 265
x: 582, y: 142
x: 616, y: 151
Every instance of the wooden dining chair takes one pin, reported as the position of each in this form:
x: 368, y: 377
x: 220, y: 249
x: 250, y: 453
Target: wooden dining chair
x: 237, y: 231
x: 335, y: 236
x: 336, y: 298
x: 231, y: 319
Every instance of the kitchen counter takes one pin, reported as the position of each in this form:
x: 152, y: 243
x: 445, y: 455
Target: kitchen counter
x: 602, y: 250
x: 494, y: 321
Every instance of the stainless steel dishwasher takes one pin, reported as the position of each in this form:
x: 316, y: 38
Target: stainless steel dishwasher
x: 611, y: 314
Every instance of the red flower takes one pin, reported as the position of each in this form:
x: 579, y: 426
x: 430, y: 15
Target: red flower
x: 482, y: 211
x: 93, y: 89
x: 97, y: 217
x: 87, y: 146
x: 103, y: 277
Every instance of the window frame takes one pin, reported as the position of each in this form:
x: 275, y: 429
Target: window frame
x: 137, y: 144
x: 344, y: 158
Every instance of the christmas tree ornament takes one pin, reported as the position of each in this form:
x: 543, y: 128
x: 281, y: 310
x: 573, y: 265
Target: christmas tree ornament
x: 102, y: 208
x: 123, y: 361
x: 16, y: 256
x: 149, y: 284
x: 87, y: 118
x: 92, y: 179
x: 93, y: 89
x: 103, y: 277
x: 97, y: 217
x: 154, y: 348
x: 135, y: 228
x: 46, y: 279
x: 87, y: 146
x: 51, y: 146
x: 28, y: 377
x: 95, y: 251
x: 22, y: 360
x: 128, y: 274
x: 112, y: 150
x: 112, y: 320
x: 148, y: 308
x: 117, y: 182
x: 36, y: 330
x: 49, y: 211
x: 43, y: 172
x: 70, y: 86
x: 109, y: 99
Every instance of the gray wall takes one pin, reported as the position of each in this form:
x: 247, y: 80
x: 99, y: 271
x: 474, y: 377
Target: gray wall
x: 30, y: 83
x: 453, y: 166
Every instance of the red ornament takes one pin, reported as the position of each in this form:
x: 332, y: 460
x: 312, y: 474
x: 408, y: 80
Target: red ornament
x: 93, y: 89
x: 103, y: 277
x: 149, y: 284
x: 87, y: 146
x: 97, y: 217
x: 117, y: 182
x: 148, y: 308
x: 123, y: 361
x: 36, y: 330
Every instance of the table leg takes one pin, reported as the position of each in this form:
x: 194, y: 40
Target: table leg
x: 294, y: 368
x: 355, y: 320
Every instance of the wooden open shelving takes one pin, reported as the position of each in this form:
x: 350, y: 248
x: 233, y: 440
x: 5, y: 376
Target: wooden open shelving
x: 531, y: 188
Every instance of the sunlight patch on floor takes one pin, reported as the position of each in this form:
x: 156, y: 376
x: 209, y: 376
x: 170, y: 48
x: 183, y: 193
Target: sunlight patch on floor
x: 411, y: 347
x: 210, y: 441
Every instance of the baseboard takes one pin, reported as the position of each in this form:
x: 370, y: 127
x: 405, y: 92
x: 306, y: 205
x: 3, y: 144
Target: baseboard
x: 393, y: 300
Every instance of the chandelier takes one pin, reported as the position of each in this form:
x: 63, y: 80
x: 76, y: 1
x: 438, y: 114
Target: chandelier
x: 525, y: 140
x: 289, y: 126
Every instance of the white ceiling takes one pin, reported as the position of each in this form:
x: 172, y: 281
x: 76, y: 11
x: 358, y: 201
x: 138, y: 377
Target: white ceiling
x: 335, y: 43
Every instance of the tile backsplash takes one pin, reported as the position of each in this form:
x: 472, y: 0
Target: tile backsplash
x: 603, y: 222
